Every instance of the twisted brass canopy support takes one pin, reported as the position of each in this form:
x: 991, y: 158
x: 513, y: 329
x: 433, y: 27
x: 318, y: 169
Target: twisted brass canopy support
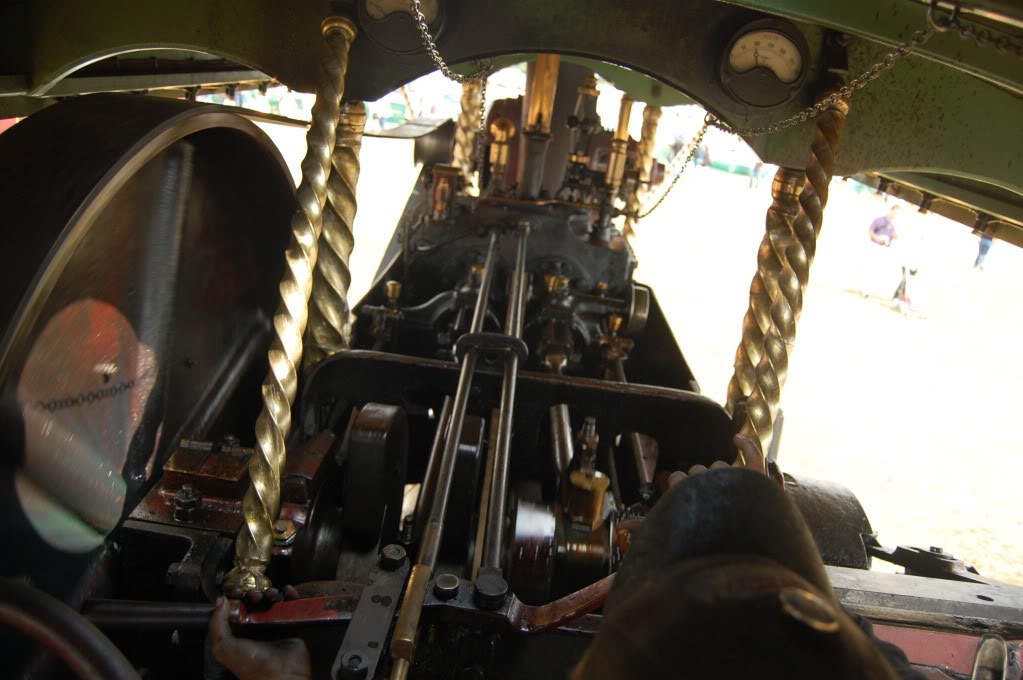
x: 262, y: 500
x: 783, y: 266
x: 647, y: 138
x: 329, y: 315
x: 467, y: 127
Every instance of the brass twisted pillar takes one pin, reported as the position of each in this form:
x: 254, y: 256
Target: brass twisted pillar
x: 764, y: 288
x: 467, y: 127
x: 786, y: 280
x: 329, y: 330
x: 262, y: 500
x: 647, y: 137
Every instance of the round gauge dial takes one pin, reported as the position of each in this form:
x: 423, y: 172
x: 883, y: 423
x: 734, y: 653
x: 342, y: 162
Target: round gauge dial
x: 770, y: 49
x: 765, y: 63
x: 390, y: 23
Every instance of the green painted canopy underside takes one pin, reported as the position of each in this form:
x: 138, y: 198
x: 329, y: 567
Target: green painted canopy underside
x: 948, y: 121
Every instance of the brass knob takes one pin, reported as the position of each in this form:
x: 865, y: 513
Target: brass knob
x: 393, y: 291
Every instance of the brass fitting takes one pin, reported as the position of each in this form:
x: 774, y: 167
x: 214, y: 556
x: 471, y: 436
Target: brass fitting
x: 393, y: 291
x: 619, y: 147
x: 501, y: 132
x: 584, y: 494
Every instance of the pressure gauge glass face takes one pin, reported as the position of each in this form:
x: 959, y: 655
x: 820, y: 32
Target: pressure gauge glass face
x: 764, y: 64
x: 378, y: 9
x: 769, y: 49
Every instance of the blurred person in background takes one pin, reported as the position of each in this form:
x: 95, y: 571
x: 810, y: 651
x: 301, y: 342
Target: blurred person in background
x: 983, y: 247
x: 879, y: 262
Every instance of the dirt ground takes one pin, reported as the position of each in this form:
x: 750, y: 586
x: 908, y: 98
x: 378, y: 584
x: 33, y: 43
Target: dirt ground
x: 915, y: 414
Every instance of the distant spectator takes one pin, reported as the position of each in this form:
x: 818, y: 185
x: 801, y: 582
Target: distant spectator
x: 755, y: 173
x: 983, y: 247
x: 882, y: 230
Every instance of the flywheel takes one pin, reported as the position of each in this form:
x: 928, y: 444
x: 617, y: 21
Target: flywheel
x: 143, y: 238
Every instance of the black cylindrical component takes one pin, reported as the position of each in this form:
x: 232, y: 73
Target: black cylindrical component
x: 561, y: 437
x: 59, y: 628
x: 133, y: 615
x: 429, y: 546
x: 494, y: 537
x: 636, y: 445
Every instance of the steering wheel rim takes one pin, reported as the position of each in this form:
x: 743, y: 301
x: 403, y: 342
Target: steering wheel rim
x: 70, y: 636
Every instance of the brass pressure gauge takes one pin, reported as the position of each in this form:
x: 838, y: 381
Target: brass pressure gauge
x: 764, y: 63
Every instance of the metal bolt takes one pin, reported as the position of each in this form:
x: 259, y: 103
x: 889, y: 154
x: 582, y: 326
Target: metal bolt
x: 284, y: 532
x: 392, y: 557
x: 187, y: 503
x: 352, y: 667
x: 491, y: 588
x: 446, y: 586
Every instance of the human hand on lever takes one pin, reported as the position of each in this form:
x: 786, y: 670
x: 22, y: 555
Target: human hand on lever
x: 286, y: 659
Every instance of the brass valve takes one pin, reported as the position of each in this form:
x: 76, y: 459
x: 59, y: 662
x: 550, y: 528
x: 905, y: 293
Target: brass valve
x: 587, y: 486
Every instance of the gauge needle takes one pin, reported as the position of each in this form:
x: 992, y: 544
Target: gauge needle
x: 756, y: 57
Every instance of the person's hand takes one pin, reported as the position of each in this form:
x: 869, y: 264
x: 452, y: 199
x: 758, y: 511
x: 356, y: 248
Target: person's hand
x: 252, y: 660
x: 754, y: 460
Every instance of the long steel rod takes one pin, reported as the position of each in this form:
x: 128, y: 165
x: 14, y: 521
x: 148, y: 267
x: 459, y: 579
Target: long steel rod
x: 403, y: 640
x: 427, y: 490
x: 488, y: 475
x: 494, y: 536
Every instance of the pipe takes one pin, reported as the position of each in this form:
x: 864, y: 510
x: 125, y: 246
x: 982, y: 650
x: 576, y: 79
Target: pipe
x: 403, y: 640
x: 494, y: 536
x: 636, y: 445
x: 541, y: 88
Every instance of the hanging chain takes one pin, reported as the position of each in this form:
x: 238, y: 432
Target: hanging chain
x: 845, y: 92
x: 483, y: 70
x: 693, y: 146
x: 1004, y: 43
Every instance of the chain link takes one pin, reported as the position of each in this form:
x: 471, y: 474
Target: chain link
x: 693, y: 146
x: 845, y: 92
x: 483, y: 70
x: 984, y: 37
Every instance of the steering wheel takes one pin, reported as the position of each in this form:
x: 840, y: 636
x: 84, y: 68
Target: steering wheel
x: 65, y: 632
